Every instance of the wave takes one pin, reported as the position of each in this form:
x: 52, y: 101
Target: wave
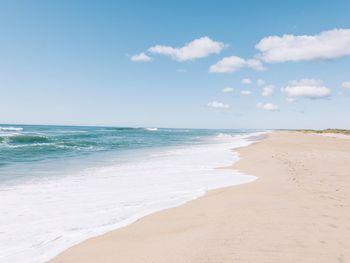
x: 107, y: 195
x: 151, y: 129
x: 11, y: 129
x: 28, y: 139
x: 224, y: 135
x: 242, y: 135
x: 120, y: 128
x: 63, y: 131
x: 48, y: 146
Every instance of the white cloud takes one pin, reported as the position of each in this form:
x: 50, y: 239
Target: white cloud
x: 260, y: 82
x: 246, y: 81
x: 198, y: 48
x: 290, y: 99
x: 326, y: 45
x: 346, y: 85
x: 218, y: 105
x: 267, y: 106
x: 268, y: 90
x: 142, y: 57
x: 306, y: 88
x: 246, y: 92
x: 233, y: 63
x: 227, y: 89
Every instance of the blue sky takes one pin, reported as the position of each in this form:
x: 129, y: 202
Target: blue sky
x: 70, y: 62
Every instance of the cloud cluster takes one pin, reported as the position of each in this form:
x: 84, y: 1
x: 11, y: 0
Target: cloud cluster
x: 234, y: 63
x: 227, y: 89
x: 198, y: 48
x: 268, y: 90
x: 246, y: 92
x: 267, y: 106
x: 306, y: 88
x: 218, y: 105
x: 260, y: 82
x: 246, y: 81
x: 142, y: 57
x: 326, y: 45
x: 275, y: 49
x: 346, y: 85
x: 271, y: 49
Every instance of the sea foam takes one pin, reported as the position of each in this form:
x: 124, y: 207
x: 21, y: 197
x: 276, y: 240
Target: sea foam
x: 16, y: 129
x: 41, y: 218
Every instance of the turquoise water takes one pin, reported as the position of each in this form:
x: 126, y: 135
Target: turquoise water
x: 60, y: 185
x: 38, y: 150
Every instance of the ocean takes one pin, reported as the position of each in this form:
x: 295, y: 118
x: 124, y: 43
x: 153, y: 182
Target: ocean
x: 60, y: 185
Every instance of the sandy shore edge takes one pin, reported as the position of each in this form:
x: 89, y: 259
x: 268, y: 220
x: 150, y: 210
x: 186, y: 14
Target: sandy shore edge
x: 294, y: 212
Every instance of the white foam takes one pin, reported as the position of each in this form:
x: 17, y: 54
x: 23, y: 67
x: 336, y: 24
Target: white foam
x: 40, y: 219
x: 151, y: 129
x: 11, y: 129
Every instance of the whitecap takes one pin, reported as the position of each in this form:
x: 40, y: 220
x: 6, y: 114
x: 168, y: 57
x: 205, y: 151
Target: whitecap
x: 152, y: 129
x: 11, y: 129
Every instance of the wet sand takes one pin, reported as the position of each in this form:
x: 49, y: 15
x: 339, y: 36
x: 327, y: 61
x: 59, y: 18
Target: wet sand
x: 297, y: 211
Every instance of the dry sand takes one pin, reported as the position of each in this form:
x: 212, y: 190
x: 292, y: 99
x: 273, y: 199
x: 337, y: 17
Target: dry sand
x: 334, y: 135
x: 297, y: 211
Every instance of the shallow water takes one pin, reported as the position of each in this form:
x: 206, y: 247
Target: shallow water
x: 61, y: 185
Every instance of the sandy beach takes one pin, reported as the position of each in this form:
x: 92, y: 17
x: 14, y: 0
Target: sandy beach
x: 298, y: 210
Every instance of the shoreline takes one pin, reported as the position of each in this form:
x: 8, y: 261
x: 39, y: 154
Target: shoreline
x: 238, y: 178
x: 281, y: 217
x: 91, y: 202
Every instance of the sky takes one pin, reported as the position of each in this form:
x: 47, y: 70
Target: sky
x: 192, y: 64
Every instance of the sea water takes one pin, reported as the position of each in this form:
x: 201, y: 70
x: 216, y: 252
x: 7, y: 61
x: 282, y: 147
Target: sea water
x: 60, y: 185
